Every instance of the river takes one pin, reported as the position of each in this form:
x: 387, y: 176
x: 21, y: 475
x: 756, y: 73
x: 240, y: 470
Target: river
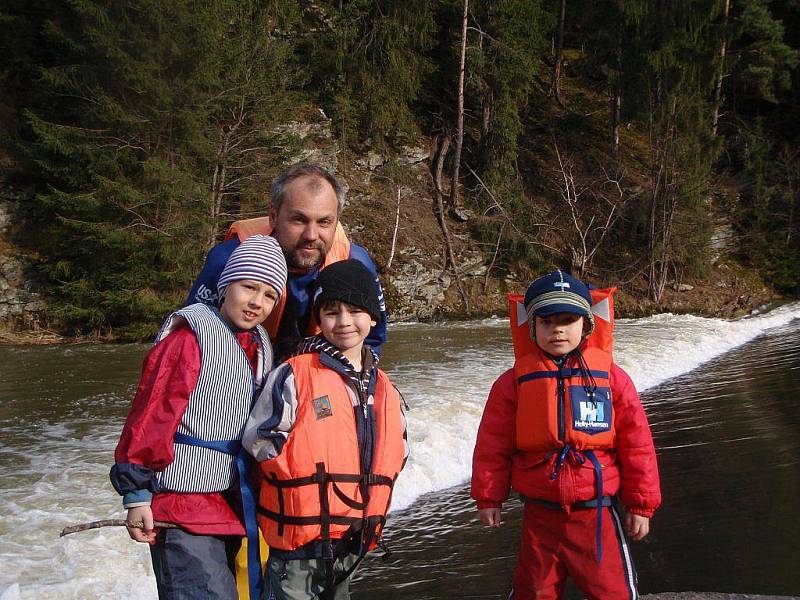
x: 720, y: 396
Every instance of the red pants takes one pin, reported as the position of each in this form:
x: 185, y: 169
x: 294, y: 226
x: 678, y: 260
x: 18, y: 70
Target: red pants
x: 556, y: 544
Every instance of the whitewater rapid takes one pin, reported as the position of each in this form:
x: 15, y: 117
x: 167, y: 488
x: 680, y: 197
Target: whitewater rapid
x: 447, y: 402
x: 54, y: 471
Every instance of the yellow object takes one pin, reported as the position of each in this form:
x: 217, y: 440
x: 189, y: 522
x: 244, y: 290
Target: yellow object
x: 242, y: 583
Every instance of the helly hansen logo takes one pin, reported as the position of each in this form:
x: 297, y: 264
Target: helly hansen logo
x: 322, y: 407
x: 592, y: 411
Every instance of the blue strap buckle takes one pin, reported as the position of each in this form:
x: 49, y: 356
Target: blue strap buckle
x: 234, y: 448
x: 565, y: 451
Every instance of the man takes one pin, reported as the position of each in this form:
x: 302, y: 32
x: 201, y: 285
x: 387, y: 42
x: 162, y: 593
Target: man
x: 304, y: 219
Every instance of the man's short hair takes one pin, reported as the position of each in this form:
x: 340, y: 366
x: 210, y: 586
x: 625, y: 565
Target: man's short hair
x: 282, y: 181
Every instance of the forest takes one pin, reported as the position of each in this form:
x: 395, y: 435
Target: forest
x: 610, y: 138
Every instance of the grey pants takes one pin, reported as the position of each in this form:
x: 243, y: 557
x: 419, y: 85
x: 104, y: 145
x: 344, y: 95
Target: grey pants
x: 303, y: 579
x: 194, y: 567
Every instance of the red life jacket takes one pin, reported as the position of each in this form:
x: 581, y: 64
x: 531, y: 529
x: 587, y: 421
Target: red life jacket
x: 339, y: 250
x: 314, y: 489
x: 564, y: 406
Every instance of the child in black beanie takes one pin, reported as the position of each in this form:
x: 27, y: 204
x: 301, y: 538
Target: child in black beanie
x: 330, y: 438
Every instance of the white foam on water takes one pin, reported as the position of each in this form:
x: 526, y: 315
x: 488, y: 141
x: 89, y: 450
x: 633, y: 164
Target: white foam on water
x: 658, y: 348
x: 10, y: 593
x: 53, y: 475
x: 57, y: 479
x: 450, y: 398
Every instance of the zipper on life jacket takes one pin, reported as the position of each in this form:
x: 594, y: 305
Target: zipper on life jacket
x: 363, y: 401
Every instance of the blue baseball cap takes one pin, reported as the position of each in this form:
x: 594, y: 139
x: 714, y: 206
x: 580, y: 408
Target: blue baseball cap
x: 558, y: 292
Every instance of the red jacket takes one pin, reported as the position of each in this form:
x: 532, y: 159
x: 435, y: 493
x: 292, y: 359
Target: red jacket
x: 629, y: 469
x: 169, y: 376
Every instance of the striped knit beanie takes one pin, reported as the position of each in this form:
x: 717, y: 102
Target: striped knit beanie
x: 259, y: 258
x: 558, y: 292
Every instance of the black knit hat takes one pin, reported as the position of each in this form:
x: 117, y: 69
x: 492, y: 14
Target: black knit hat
x: 348, y: 281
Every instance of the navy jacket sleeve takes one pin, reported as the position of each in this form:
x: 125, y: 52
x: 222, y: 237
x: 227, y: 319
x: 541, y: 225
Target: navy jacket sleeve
x: 377, y: 335
x: 205, y: 288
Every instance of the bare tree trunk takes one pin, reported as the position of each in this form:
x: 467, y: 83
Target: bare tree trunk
x: 664, y: 202
x: 494, y: 257
x: 450, y: 261
x: 396, y: 227
x: 616, y: 106
x: 555, y: 85
x: 218, y: 182
x: 454, y: 200
x: 721, y: 74
x: 487, y: 114
x: 486, y: 117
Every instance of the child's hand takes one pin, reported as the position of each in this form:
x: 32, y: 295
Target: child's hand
x: 489, y: 516
x: 636, y: 526
x: 144, y: 515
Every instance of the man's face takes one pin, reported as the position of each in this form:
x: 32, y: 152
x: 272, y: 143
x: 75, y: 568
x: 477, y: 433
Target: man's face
x: 306, y: 223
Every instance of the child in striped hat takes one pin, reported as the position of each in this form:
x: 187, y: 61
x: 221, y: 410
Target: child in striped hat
x: 179, y: 458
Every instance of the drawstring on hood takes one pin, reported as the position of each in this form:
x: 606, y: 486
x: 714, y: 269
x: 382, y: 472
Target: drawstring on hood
x: 587, y: 379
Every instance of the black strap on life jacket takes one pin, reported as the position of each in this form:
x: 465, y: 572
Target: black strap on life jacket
x: 362, y: 531
x: 322, y: 479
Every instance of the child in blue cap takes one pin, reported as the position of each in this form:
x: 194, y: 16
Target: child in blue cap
x: 566, y: 430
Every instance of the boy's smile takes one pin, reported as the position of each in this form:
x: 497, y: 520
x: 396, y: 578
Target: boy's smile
x: 247, y: 303
x: 560, y: 333
x: 346, y: 327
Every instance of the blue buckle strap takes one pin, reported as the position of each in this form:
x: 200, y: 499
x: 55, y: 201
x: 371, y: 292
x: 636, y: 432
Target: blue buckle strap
x: 599, y: 501
x: 254, y: 574
x: 234, y: 448
x: 231, y: 447
x: 567, y: 450
x: 561, y: 373
x: 599, y: 478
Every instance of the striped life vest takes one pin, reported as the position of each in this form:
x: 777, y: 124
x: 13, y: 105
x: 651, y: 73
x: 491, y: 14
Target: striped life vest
x: 314, y: 489
x: 218, y: 407
x: 339, y: 250
x: 564, y: 406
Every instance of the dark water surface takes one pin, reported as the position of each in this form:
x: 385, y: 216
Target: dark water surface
x: 728, y: 440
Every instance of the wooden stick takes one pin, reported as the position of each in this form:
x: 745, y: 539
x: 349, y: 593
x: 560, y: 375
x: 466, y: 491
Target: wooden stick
x: 110, y: 523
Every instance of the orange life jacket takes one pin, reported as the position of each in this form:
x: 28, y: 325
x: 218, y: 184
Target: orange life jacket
x: 314, y: 489
x: 339, y: 250
x: 564, y: 406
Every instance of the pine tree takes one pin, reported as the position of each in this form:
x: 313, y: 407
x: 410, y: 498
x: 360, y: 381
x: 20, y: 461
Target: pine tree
x: 663, y: 69
x: 367, y: 62
x: 149, y: 119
